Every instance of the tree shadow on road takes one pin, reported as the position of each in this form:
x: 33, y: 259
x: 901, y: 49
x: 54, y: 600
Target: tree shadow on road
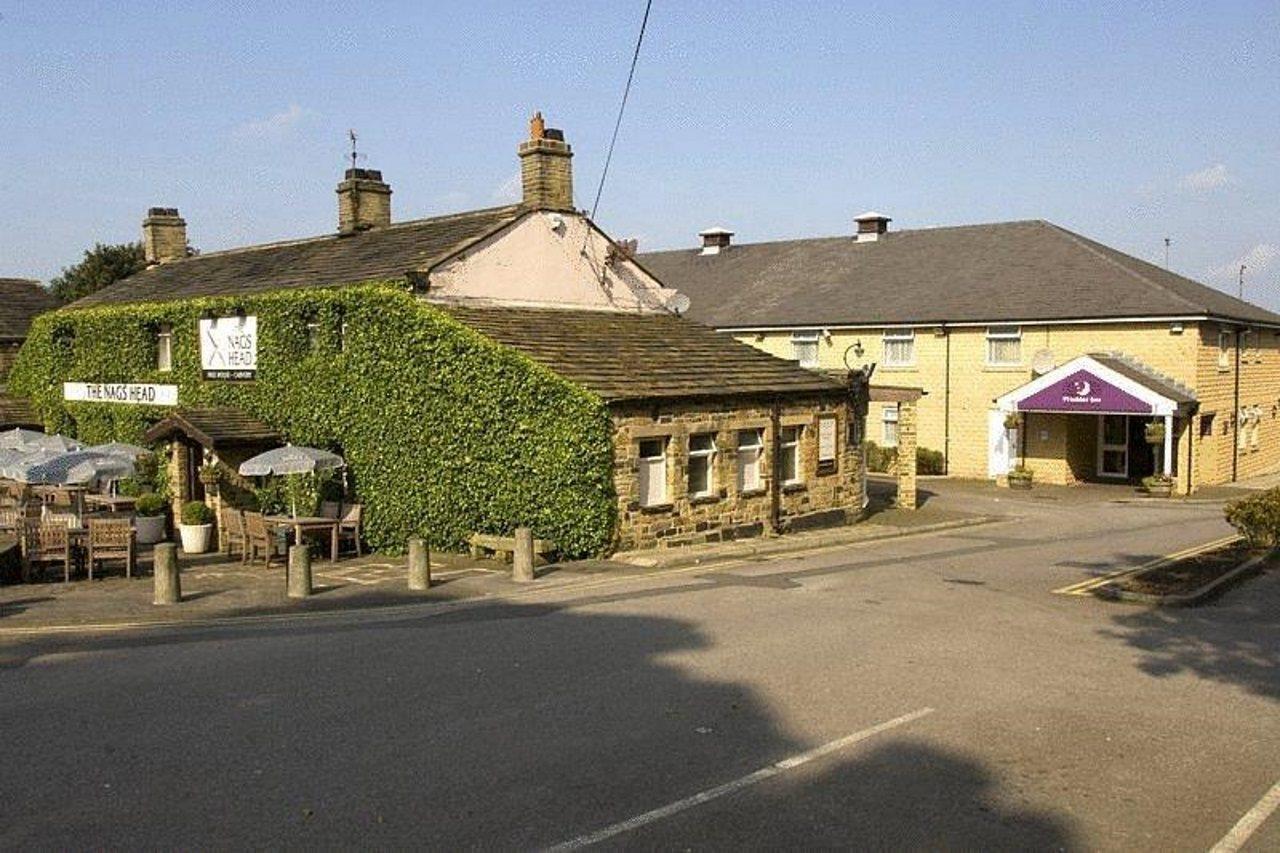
x: 1235, y: 640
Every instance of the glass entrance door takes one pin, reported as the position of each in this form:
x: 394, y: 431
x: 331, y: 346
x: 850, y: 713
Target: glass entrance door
x: 1113, y: 446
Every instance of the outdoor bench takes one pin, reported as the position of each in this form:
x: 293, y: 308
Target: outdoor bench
x: 505, y: 546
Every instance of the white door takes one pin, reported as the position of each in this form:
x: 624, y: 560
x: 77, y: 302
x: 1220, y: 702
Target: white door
x: 1113, y: 446
x: 1002, y: 445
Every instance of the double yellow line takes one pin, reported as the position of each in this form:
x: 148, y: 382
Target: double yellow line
x: 1086, y: 587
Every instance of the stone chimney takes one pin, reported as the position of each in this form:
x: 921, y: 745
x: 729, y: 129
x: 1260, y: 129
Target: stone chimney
x: 871, y: 226
x: 546, y: 170
x: 715, y: 240
x: 164, y: 236
x: 364, y: 201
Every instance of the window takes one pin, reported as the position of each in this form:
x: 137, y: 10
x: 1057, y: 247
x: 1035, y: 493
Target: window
x: 1004, y: 345
x: 804, y: 347
x: 702, y: 454
x: 899, y: 347
x: 164, y: 348
x: 1247, y: 345
x: 890, y: 421
x: 789, y: 455
x: 1224, y: 350
x: 342, y: 335
x: 653, y: 472
x: 313, y: 334
x: 750, y: 452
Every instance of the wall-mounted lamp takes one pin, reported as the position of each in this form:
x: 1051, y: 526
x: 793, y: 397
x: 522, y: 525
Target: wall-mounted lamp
x: 1175, y: 328
x: 857, y: 348
x: 826, y: 335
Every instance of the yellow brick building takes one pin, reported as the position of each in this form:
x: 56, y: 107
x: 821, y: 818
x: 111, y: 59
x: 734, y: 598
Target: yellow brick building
x: 984, y: 318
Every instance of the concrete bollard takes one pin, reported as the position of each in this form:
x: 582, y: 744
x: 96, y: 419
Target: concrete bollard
x: 299, y: 571
x: 168, y: 583
x: 522, y: 559
x: 419, y: 565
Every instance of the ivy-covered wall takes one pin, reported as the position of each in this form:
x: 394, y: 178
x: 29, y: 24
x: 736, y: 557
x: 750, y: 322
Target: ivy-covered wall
x: 444, y: 431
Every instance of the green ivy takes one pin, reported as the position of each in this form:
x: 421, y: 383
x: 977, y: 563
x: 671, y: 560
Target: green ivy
x: 445, y: 431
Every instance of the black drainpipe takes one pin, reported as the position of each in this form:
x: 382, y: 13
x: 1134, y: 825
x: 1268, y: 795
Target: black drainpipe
x: 946, y: 407
x: 775, y: 484
x: 1235, y: 418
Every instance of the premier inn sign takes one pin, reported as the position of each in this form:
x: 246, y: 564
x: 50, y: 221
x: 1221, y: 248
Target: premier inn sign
x: 1084, y: 391
x: 229, y: 348
x: 131, y: 393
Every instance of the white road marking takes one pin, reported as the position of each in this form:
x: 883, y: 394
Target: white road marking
x: 1249, y: 824
x: 738, y: 784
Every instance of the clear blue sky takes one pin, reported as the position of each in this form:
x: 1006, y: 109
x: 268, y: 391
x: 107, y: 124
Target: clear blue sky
x: 1124, y: 121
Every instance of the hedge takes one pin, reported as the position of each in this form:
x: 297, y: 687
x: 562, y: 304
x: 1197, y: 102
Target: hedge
x: 445, y: 432
x: 1257, y: 518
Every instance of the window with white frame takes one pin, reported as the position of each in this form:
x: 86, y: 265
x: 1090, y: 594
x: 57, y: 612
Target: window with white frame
x: 1004, y: 345
x: 789, y: 455
x: 653, y: 472
x: 164, y: 348
x: 750, y: 456
x: 804, y: 347
x: 1224, y: 349
x: 1248, y: 347
x: 313, y: 333
x: 702, y: 455
x: 889, y: 419
x: 899, y: 347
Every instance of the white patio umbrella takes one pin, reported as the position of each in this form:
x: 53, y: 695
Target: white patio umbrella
x: 76, y: 468
x: 122, y: 449
x: 291, y: 460
x: 13, y: 461
x: 29, y: 439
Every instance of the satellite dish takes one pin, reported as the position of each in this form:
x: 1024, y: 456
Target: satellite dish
x: 679, y: 303
x: 1042, y: 362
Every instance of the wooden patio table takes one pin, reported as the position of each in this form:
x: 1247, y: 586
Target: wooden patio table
x: 309, y: 523
x: 115, y: 503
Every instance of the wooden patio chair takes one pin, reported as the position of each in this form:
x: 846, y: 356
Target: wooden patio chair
x: 258, y: 535
x: 331, y: 509
x: 43, y: 542
x: 112, y: 539
x: 11, y: 520
x: 352, y: 526
x: 233, y: 532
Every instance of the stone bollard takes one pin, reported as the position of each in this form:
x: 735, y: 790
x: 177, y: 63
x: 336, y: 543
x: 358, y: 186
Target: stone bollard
x: 419, y: 565
x: 168, y: 583
x: 522, y: 559
x: 299, y: 571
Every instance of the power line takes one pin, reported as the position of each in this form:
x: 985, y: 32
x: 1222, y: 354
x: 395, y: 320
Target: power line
x: 626, y: 92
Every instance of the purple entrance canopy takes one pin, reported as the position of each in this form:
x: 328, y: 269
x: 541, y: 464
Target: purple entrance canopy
x: 1086, y: 392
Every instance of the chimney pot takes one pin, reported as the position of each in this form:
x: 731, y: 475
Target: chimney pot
x: 364, y: 201
x: 715, y: 240
x: 546, y: 167
x: 164, y: 236
x: 871, y: 225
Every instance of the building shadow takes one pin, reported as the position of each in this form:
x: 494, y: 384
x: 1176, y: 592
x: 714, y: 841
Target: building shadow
x: 1234, y: 640
x: 499, y: 726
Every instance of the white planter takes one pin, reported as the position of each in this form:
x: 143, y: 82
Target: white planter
x: 150, y: 529
x: 195, y: 537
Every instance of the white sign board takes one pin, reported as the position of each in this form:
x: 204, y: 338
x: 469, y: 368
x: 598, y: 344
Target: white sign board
x: 135, y: 394
x: 229, y: 348
x: 826, y: 439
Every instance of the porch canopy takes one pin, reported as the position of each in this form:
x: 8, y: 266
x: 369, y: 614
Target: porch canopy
x: 1105, y: 384
x: 215, y: 428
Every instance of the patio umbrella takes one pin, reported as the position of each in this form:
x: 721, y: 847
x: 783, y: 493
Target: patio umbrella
x: 121, y: 449
x: 291, y: 460
x: 29, y: 439
x: 75, y: 468
x: 12, y: 461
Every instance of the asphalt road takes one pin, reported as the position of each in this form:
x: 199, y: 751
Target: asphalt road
x: 961, y: 705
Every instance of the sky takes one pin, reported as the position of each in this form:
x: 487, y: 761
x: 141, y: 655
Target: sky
x: 1128, y: 122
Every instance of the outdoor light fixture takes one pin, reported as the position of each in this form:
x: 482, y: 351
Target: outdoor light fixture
x: 857, y: 348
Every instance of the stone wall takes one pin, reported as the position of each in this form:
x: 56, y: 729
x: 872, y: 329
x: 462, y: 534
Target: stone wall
x: 831, y: 493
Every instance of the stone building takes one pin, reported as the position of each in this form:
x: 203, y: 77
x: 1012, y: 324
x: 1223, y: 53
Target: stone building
x: 1033, y: 345
x: 22, y: 300
x: 711, y: 439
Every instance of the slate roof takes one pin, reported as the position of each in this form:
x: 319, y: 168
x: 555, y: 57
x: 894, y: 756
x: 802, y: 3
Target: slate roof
x: 641, y: 356
x: 215, y: 427
x: 22, y: 299
x: 388, y: 252
x: 1134, y: 369
x: 17, y: 412
x: 1007, y: 271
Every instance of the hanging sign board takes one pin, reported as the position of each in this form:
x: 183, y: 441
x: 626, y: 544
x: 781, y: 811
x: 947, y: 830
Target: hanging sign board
x: 132, y: 393
x: 229, y: 348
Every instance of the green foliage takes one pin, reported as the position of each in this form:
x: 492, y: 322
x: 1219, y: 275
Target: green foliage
x: 1154, y: 432
x: 929, y: 461
x: 885, y: 459
x: 1257, y: 518
x: 150, y: 504
x: 102, y: 265
x: 195, y: 512
x: 445, y: 432
x: 1022, y: 473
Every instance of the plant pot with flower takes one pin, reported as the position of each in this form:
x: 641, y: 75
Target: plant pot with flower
x: 1021, y: 477
x: 196, y: 527
x: 150, y: 517
x: 1158, y: 485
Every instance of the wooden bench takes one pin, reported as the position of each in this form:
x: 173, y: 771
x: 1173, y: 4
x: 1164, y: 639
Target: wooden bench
x: 505, y: 546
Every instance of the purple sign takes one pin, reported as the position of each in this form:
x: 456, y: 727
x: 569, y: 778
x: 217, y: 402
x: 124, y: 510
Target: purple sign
x: 1084, y: 392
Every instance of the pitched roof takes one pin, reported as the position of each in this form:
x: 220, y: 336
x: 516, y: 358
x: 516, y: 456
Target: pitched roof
x: 1128, y: 366
x: 22, y: 299
x: 388, y: 252
x: 216, y: 427
x: 1005, y: 271
x: 640, y: 356
x: 17, y: 412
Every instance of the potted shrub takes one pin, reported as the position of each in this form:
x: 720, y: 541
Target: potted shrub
x: 1158, y: 485
x: 149, y: 512
x: 196, y: 527
x: 1021, y: 477
x: 209, y: 475
x: 1154, y: 433
x: 1012, y: 421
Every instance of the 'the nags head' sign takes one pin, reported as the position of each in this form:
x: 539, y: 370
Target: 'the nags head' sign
x: 229, y: 348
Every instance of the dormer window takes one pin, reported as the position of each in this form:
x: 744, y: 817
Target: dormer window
x: 164, y: 348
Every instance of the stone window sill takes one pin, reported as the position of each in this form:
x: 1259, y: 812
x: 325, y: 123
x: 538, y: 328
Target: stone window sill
x: 657, y: 508
x: 753, y: 493
x: 789, y: 488
x: 1004, y: 368
x: 704, y: 499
